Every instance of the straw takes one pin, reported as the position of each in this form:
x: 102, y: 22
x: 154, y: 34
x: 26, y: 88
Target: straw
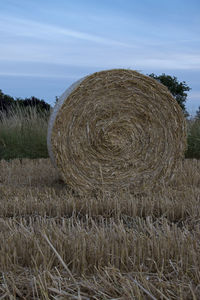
x: 116, y: 129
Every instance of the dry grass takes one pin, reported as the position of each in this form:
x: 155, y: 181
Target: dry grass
x: 55, y: 244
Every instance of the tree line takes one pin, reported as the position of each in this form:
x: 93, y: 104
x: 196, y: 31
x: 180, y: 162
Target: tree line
x: 8, y: 103
x: 178, y: 90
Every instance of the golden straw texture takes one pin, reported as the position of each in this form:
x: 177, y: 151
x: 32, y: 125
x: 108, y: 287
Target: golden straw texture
x: 117, y: 129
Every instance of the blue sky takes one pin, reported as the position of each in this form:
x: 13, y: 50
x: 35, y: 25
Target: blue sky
x: 46, y: 45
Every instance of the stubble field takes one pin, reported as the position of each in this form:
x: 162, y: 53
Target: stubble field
x: 55, y: 244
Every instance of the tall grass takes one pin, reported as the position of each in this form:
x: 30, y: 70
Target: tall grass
x: 23, y: 133
x: 193, y: 139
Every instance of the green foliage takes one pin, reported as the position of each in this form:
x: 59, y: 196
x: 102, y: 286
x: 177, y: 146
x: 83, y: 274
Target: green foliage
x: 177, y: 89
x: 5, y: 102
x: 40, y: 105
x: 193, y: 139
x: 8, y: 104
x: 23, y: 133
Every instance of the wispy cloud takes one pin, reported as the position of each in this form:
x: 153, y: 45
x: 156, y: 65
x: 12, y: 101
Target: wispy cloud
x: 29, y: 41
x: 50, y: 44
x: 38, y: 30
x: 172, y: 61
x: 39, y: 75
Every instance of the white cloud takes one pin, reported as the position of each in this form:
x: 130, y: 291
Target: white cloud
x: 39, y: 75
x: 29, y: 41
x: 95, y: 56
x: 27, y: 28
x: 172, y: 61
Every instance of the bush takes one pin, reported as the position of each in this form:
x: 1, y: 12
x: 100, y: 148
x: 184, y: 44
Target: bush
x: 193, y: 139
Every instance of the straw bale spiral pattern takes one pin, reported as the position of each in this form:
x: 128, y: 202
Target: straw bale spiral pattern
x: 116, y: 129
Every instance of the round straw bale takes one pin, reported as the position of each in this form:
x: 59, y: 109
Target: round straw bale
x: 116, y: 129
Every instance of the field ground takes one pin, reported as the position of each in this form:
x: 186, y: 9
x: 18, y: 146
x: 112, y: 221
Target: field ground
x: 55, y: 244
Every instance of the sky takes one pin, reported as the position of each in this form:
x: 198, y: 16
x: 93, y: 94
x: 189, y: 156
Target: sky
x: 46, y: 45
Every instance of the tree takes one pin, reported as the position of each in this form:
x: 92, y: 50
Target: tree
x: 177, y: 89
x: 6, y: 102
